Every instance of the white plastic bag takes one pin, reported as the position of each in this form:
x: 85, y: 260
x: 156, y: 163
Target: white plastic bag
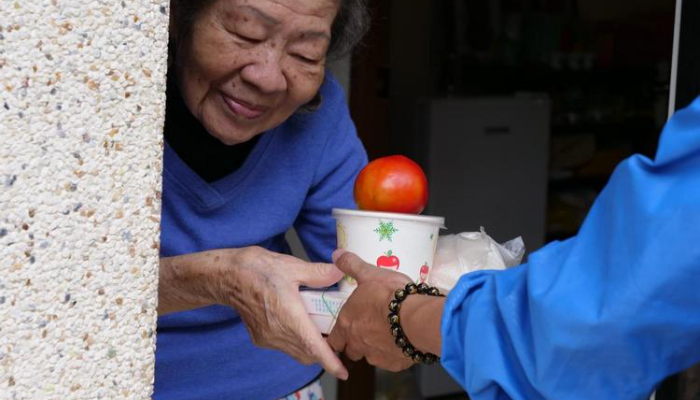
x: 459, y: 254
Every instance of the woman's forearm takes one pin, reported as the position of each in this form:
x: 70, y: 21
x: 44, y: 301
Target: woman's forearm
x: 191, y: 281
x: 420, y: 319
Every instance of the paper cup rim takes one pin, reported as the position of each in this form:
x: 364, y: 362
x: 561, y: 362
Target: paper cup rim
x: 440, y: 221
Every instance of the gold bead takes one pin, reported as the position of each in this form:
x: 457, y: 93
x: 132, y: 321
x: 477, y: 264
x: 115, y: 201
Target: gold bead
x: 394, y: 306
x: 417, y: 357
x: 423, y: 288
x: 411, y: 288
x: 393, y: 319
x: 396, y: 331
x: 429, y: 358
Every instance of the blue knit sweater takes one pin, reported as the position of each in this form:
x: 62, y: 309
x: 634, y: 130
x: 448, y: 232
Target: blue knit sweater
x: 293, y: 177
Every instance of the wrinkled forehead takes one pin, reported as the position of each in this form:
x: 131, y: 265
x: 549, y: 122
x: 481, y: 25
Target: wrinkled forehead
x: 279, y: 11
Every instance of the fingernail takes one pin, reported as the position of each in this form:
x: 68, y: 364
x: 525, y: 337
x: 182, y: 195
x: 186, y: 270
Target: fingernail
x: 343, y: 375
x: 337, y: 254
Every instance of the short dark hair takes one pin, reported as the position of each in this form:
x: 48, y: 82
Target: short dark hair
x: 349, y: 26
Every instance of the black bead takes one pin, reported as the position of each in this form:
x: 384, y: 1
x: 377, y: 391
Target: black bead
x: 400, y: 341
x: 434, y: 291
x: 400, y: 294
x: 408, y: 350
x: 394, y: 306
x: 423, y: 288
x: 396, y: 331
x: 417, y: 357
x: 429, y: 358
x: 394, y: 319
x: 411, y: 288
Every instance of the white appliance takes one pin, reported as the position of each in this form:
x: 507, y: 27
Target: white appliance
x: 486, y: 160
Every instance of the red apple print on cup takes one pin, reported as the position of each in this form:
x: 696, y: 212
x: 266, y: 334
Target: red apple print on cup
x: 388, y: 260
x: 424, y: 272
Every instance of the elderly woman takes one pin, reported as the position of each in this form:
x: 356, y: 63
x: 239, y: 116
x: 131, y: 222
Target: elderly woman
x: 258, y: 140
x: 605, y: 315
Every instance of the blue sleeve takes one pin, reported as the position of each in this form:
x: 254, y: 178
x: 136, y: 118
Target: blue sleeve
x: 341, y: 160
x: 605, y: 315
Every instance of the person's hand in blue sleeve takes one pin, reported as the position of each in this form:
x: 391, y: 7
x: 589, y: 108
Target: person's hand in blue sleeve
x: 605, y: 315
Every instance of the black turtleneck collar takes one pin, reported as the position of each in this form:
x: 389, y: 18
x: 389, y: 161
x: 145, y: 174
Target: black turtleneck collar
x: 203, y: 153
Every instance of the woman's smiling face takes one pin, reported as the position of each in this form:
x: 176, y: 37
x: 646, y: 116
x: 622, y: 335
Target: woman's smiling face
x: 245, y: 66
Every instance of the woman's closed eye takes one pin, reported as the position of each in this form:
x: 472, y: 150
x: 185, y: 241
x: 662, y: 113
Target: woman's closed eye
x: 248, y: 38
x: 307, y: 59
x: 310, y: 54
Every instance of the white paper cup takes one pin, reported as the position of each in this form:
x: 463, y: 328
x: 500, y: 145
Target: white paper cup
x: 400, y: 242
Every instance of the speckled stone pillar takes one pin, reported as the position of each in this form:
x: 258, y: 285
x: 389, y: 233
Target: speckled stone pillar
x: 81, y: 113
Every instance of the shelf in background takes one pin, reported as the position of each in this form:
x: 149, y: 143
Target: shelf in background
x: 619, y: 129
x: 495, y: 79
x: 578, y: 182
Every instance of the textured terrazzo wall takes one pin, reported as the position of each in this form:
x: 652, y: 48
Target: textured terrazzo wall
x: 81, y: 114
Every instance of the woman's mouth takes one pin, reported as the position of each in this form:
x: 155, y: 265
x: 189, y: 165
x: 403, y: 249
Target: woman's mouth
x: 242, y: 108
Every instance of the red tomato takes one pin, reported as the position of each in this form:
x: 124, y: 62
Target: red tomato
x: 392, y: 184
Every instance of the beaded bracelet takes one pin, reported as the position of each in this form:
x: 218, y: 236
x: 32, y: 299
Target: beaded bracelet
x: 395, y: 322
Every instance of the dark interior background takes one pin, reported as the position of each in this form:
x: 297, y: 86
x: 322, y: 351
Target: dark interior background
x: 601, y: 68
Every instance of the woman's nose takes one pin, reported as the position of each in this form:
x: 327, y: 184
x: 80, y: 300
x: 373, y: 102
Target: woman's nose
x: 265, y: 72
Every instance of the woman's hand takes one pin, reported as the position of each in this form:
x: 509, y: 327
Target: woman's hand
x: 263, y: 287
x: 266, y: 295
x: 362, y: 329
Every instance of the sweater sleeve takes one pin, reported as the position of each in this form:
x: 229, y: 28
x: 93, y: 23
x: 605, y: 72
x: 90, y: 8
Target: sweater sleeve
x: 340, y: 161
x: 605, y: 315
